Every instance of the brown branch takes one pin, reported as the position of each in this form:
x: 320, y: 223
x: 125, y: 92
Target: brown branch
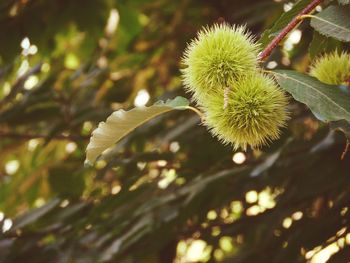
x: 19, y: 136
x: 345, y: 150
x: 291, y: 25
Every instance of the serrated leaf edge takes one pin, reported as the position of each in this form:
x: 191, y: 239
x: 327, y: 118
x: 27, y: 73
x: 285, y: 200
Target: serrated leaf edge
x: 102, y: 137
x: 305, y: 84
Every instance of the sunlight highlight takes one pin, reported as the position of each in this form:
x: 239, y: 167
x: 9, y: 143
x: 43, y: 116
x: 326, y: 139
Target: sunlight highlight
x: 212, y: 215
x: 32, y: 144
x: 71, y: 147
x: 23, y: 68
x: 174, y: 147
x: 31, y: 82
x: 251, y: 197
x: 192, y: 251
x: 112, y: 23
x: 7, y: 224
x: 142, y: 98
x: 28, y: 48
x: 168, y: 177
x: 287, y: 6
x: 324, y: 254
x: 11, y: 167
x: 293, y: 39
x: 25, y: 43
x: 239, y: 158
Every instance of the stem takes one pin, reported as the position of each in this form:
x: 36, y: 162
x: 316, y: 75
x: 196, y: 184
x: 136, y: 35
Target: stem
x: 291, y: 25
x: 305, y: 16
x: 345, y: 150
x: 199, y: 113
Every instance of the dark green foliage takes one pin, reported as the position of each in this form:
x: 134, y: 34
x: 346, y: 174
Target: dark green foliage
x: 334, y: 22
x: 327, y: 102
x: 321, y: 44
x: 66, y: 181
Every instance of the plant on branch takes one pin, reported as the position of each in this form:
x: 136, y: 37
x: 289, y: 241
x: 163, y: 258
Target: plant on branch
x: 240, y: 105
x: 260, y: 176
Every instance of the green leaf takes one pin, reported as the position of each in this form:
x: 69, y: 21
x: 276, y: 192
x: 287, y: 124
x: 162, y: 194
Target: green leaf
x: 327, y: 102
x: 129, y: 26
x: 321, y: 44
x: 334, y: 21
x: 120, y: 123
x: 282, y: 21
x: 35, y: 214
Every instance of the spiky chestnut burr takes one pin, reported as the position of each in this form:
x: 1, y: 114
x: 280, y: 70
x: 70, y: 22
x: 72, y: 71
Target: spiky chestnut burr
x: 217, y: 58
x: 332, y: 68
x: 255, y: 112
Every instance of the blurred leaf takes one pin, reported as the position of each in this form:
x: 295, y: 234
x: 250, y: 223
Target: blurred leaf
x: 32, y: 17
x: 66, y: 180
x: 129, y: 26
x: 35, y: 214
x: 334, y: 21
x: 282, y: 21
x: 37, y: 112
x: 321, y: 44
x: 269, y: 161
x: 120, y: 123
x: 327, y: 102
